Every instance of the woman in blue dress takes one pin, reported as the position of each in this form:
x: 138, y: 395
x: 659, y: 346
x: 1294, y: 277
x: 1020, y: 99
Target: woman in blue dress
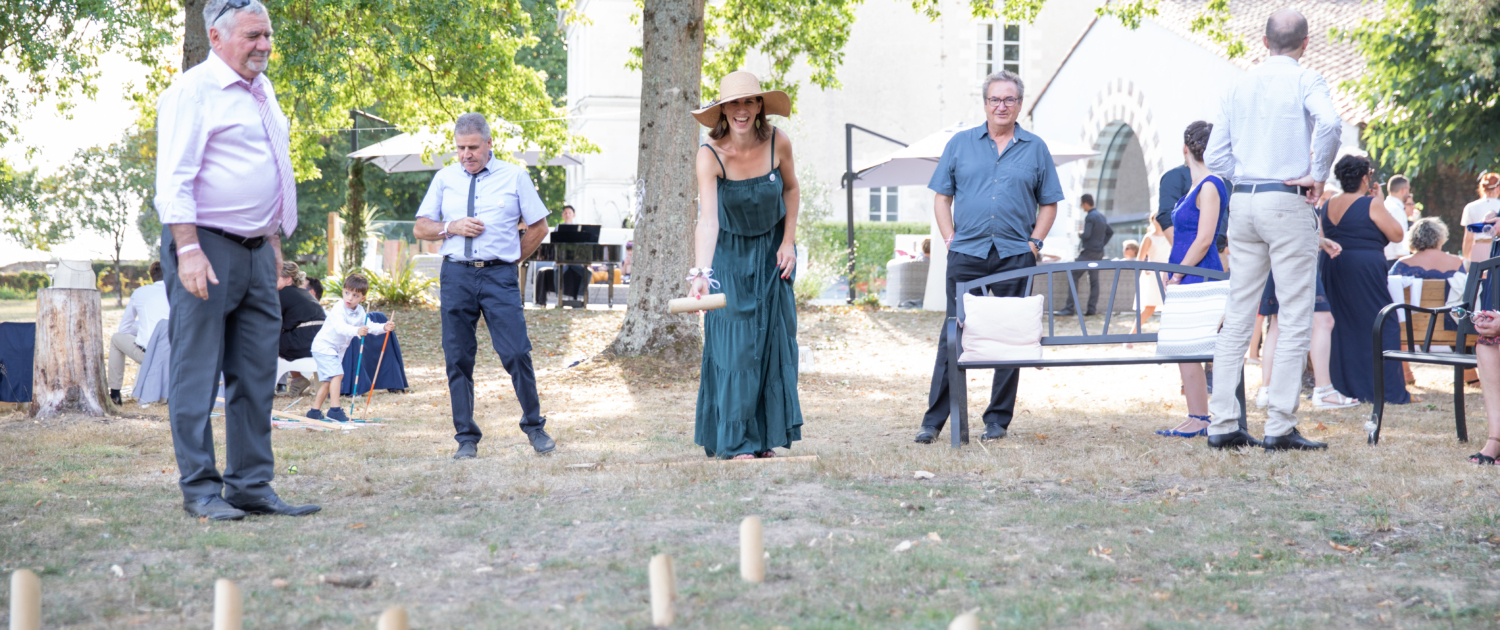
x: 1195, y: 223
x: 747, y: 224
x: 1355, y: 282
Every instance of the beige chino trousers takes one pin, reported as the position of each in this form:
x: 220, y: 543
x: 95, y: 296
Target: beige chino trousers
x: 121, y: 346
x: 1268, y: 232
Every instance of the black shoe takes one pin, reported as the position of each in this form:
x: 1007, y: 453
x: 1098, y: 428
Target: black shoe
x: 541, y: 441
x: 273, y: 505
x: 1292, y: 442
x: 1090, y: 314
x: 1067, y: 312
x: 214, y: 508
x: 1232, y: 440
x: 467, y: 450
x: 337, y: 414
x: 926, y: 435
x: 315, y: 414
x: 114, y: 395
x: 992, y: 432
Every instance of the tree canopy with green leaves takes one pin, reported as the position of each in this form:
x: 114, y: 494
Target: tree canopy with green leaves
x: 105, y: 188
x: 1432, y: 83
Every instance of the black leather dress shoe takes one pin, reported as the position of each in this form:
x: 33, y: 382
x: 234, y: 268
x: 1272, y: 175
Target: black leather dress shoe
x: 275, y: 506
x: 926, y: 435
x: 541, y: 441
x: 1232, y: 440
x: 992, y: 432
x: 214, y: 508
x: 1067, y: 312
x: 1090, y: 314
x: 1292, y: 442
x: 466, y: 450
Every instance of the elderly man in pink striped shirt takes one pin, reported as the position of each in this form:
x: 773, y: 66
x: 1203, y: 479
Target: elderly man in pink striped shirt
x: 226, y: 194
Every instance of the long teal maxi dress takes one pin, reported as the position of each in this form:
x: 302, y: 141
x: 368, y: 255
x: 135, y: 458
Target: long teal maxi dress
x: 747, y: 391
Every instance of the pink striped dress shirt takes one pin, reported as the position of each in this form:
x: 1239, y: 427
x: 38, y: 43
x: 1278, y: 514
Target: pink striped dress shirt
x: 215, y: 164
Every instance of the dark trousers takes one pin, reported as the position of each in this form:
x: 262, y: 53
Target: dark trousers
x: 225, y: 334
x: 962, y: 268
x: 468, y: 292
x: 1093, y: 281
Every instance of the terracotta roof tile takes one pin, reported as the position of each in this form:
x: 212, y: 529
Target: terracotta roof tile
x: 1337, y: 61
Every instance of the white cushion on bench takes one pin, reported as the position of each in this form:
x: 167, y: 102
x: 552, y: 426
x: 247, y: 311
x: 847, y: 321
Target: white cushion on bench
x: 1002, y: 328
x: 1190, y: 322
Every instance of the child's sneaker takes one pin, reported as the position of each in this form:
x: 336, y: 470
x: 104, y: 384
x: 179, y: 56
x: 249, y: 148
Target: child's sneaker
x: 314, y: 414
x: 337, y: 414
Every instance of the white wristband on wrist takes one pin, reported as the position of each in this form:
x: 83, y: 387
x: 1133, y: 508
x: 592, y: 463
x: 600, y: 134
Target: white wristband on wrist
x: 187, y: 248
x: 445, y: 233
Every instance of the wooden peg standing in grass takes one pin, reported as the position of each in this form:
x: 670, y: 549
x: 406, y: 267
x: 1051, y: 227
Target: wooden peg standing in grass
x: 966, y: 621
x: 228, y: 606
x: 25, y: 601
x: 394, y: 618
x: 752, y: 550
x: 663, y: 591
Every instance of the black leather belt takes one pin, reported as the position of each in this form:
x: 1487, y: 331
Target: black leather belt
x: 1255, y: 188
x: 478, y: 263
x: 244, y: 241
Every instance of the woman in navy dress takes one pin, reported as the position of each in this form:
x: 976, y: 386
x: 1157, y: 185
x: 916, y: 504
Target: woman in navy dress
x: 1355, y: 282
x: 1195, y: 223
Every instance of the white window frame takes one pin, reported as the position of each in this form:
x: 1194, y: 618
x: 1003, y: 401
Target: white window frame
x: 885, y: 204
x: 991, y: 38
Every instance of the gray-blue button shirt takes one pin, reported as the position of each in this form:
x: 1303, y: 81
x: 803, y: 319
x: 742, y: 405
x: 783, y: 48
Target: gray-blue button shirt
x: 995, y: 195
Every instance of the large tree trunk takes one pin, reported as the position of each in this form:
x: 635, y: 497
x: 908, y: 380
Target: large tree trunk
x: 671, y: 73
x: 68, y: 376
x: 354, y: 219
x: 194, y: 35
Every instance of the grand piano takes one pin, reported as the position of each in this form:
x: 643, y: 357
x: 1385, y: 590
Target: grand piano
x: 574, y: 244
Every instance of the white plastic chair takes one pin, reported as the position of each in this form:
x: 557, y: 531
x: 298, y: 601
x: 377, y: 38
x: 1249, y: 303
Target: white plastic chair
x: 305, y: 366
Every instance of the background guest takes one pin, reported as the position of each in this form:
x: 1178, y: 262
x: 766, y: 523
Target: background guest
x: 1174, y: 183
x: 1487, y: 350
x: 1096, y: 234
x: 1477, y: 245
x: 301, y: 319
x: 147, y: 307
x: 1131, y: 249
x: 1356, y: 219
x: 1156, y: 247
x: 1195, y: 222
x: 315, y: 287
x: 1325, y: 395
x: 1398, y: 194
x: 1428, y: 261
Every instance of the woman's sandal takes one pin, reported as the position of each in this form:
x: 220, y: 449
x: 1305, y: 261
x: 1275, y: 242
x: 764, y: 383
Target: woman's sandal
x: 1321, y: 394
x: 1178, y: 432
x: 1482, y: 459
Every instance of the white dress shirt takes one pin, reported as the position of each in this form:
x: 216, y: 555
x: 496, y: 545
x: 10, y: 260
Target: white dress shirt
x: 503, y: 197
x: 147, y: 307
x: 339, y: 328
x: 1269, y: 120
x: 215, y: 165
x: 1397, y: 208
x: 1476, y: 212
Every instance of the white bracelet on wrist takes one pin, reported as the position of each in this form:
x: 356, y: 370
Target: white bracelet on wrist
x: 445, y: 233
x: 188, y: 248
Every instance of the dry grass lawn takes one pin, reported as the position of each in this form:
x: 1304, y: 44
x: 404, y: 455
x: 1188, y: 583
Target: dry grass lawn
x: 1081, y: 518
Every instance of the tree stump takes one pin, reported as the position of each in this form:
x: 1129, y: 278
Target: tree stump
x: 69, y: 364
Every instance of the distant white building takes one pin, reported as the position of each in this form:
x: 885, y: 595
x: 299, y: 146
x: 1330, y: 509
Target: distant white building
x: 903, y: 76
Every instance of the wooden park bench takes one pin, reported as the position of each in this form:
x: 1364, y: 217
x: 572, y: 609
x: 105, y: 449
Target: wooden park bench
x: 1110, y: 271
x: 1483, y: 278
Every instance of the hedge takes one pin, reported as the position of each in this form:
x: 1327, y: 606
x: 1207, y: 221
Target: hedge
x: 874, y: 243
x: 25, y: 283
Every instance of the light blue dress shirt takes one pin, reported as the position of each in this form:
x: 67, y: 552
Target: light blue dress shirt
x: 995, y: 195
x: 503, y: 197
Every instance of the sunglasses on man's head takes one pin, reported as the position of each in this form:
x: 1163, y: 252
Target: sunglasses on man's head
x: 232, y: 4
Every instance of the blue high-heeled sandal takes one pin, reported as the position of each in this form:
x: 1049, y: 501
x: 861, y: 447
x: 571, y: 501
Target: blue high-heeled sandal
x: 1182, y: 434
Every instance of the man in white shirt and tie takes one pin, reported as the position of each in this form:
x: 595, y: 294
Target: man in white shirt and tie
x: 1271, y: 119
x: 147, y: 307
x: 226, y: 194
x: 474, y: 207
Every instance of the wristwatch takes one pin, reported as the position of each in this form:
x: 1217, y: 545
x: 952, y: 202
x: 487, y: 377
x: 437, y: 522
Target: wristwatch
x: 1037, y: 242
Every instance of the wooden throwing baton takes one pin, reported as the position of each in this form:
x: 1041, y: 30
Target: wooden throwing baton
x: 691, y: 305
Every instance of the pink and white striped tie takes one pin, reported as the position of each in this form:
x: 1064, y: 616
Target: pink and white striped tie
x: 287, y: 213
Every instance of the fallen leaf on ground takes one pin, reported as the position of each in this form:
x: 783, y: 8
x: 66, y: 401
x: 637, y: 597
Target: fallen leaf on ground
x: 904, y: 546
x: 1344, y: 548
x: 358, y: 581
x: 922, y: 474
x: 1385, y: 604
x: 934, y: 537
x: 280, y: 583
x: 357, y: 526
x: 1160, y: 595
x: 119, y: 572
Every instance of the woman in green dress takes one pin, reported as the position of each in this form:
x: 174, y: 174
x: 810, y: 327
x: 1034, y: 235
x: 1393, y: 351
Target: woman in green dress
x: 747, y: 225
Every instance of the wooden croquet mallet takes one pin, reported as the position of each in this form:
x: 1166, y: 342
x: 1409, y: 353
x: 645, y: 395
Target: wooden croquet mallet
x: 752, y: 551
x: 25, y: 601
x: 377, y: 372
x: 663, y: 590
x: 691, y: 305
x: 394, y: 618
x: 228, y: 606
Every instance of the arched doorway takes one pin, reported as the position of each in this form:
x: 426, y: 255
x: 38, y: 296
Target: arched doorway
x: 1118, y: 179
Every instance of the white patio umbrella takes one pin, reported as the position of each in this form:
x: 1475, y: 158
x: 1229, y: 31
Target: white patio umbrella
x: 403, y: 153
x: 913, y: 165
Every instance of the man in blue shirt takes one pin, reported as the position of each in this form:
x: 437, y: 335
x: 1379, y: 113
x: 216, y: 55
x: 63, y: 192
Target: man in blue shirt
x: 997, y: 193
x: 473, y: 207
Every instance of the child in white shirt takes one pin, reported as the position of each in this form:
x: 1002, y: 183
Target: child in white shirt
x: 346, y: 320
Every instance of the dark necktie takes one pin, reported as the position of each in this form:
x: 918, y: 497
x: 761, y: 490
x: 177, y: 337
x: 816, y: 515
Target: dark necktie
x: 469, y: 240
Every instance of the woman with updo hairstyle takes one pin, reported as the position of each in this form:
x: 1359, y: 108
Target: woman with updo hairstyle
x: 1355, y: 282
x: 1479, y: 219
x: 1195, y: 224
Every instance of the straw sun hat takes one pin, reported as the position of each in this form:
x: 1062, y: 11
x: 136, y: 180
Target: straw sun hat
x: 737, y: 85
